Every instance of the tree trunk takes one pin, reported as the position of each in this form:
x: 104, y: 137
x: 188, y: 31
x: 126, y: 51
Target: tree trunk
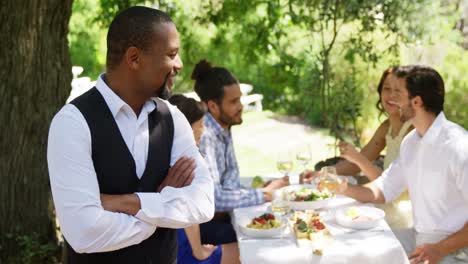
x: 35, y: 79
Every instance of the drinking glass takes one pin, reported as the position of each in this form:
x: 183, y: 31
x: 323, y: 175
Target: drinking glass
x: 303, y: 156
x: 284, y: 162
x: 328, y: 179
x: 280, y: 208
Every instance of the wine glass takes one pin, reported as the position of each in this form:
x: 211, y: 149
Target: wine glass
x: 280, y: 208
x: 303, y: 157
x: 328, y: 179
x: 284, y: 162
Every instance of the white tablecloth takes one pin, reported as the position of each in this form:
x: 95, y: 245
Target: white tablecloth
x: 378, y: 245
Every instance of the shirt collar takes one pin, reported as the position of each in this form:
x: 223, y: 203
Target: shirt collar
x: 114, y: 102
x: 212, y: 124
x: 432, y: 133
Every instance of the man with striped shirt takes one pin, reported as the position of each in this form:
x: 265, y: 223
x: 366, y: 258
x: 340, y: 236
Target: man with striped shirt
x: 220, y: 91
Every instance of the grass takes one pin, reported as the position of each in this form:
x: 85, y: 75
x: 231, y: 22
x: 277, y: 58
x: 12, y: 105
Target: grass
x: 263, y: 134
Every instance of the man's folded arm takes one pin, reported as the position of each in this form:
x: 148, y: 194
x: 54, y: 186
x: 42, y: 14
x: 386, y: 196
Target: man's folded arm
x: 181, y: 207
x: 86, y: 226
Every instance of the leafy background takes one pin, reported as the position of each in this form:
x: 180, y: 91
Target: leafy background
x: 320, y: 60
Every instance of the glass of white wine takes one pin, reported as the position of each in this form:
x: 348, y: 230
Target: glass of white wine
x: 284, y: 162
x: 303, y: 156
x: 280, y: 208
x: 328, y: 178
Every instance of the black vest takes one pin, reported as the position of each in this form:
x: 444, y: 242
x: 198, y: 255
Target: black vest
x: 115, y: 169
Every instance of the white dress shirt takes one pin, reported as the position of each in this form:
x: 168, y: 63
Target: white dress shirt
x: 434, y: 169
x: 85, y: 224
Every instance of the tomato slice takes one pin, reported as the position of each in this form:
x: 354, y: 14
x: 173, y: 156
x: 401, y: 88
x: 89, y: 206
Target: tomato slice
x: 260, y: 220
x: 269, y: 217
x: 318, y: 224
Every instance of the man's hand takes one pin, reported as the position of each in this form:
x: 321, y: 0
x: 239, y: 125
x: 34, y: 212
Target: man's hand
x: 427, y: 254
x: 308, y: 176
x: 348, y: 152
x: 180, y: 175
x: 123, y: 203
x: 266, y: 183
x: 274, y: 185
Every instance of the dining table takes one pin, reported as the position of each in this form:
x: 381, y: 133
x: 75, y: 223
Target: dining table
x: 348, y: 245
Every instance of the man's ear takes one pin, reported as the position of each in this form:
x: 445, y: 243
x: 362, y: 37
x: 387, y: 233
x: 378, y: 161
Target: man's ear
x: 132, y: 58
x: 213, y: 107
x: 417, y: 102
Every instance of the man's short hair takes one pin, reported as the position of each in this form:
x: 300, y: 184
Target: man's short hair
x: 133, y: 27
x: 210, y: 81
x: 425, y: 82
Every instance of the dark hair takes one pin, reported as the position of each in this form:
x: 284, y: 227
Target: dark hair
x: 133, y: 27
x: 425, y: 82
x: 387, y: 72
x: 192, y: 109
x: 210, y: 81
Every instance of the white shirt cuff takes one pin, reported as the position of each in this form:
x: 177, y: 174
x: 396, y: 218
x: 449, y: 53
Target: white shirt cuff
x: 149, y: 202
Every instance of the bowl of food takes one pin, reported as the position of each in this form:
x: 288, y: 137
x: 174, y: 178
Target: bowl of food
x: 264, y: 225
x: 359, y: 217
x: 307, y: 196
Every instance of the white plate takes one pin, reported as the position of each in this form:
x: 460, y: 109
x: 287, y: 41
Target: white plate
x: 375, y: 213
x: 305, y: 205
x: 252, y: 232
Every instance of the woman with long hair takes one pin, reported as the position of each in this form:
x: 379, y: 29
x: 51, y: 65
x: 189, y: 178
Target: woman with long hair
x: 388, y: 135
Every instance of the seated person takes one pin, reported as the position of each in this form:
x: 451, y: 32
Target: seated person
x: 220, y: 91
x: 190, y: 249
x: 389, y: 134
x: 433, y: 166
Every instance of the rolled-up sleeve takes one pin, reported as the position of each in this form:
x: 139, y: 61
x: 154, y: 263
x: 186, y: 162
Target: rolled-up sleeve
x: 227, y: 200
x: 392, y: 182
x: 86, y: 226
x: 181, y: 207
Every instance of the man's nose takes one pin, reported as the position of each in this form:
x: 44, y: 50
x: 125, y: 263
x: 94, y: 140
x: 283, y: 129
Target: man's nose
x: 178, y: 63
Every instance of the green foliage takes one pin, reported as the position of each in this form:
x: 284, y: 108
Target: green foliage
x: 109, y: 8
x: 310, y: 57
x: 454, y: 70
x: 34, y: 250
x: 86, y: 38
x: 318, y: 59
x: 439, y: 48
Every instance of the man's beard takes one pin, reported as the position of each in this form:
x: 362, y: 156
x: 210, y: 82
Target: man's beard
x: 407, y: 113
x: 226, y: 119
x: 164, y: 92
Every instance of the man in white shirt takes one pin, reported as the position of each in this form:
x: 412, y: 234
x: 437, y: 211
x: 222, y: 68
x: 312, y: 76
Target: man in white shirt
x: 433, y: 166
x: 124, y: 168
